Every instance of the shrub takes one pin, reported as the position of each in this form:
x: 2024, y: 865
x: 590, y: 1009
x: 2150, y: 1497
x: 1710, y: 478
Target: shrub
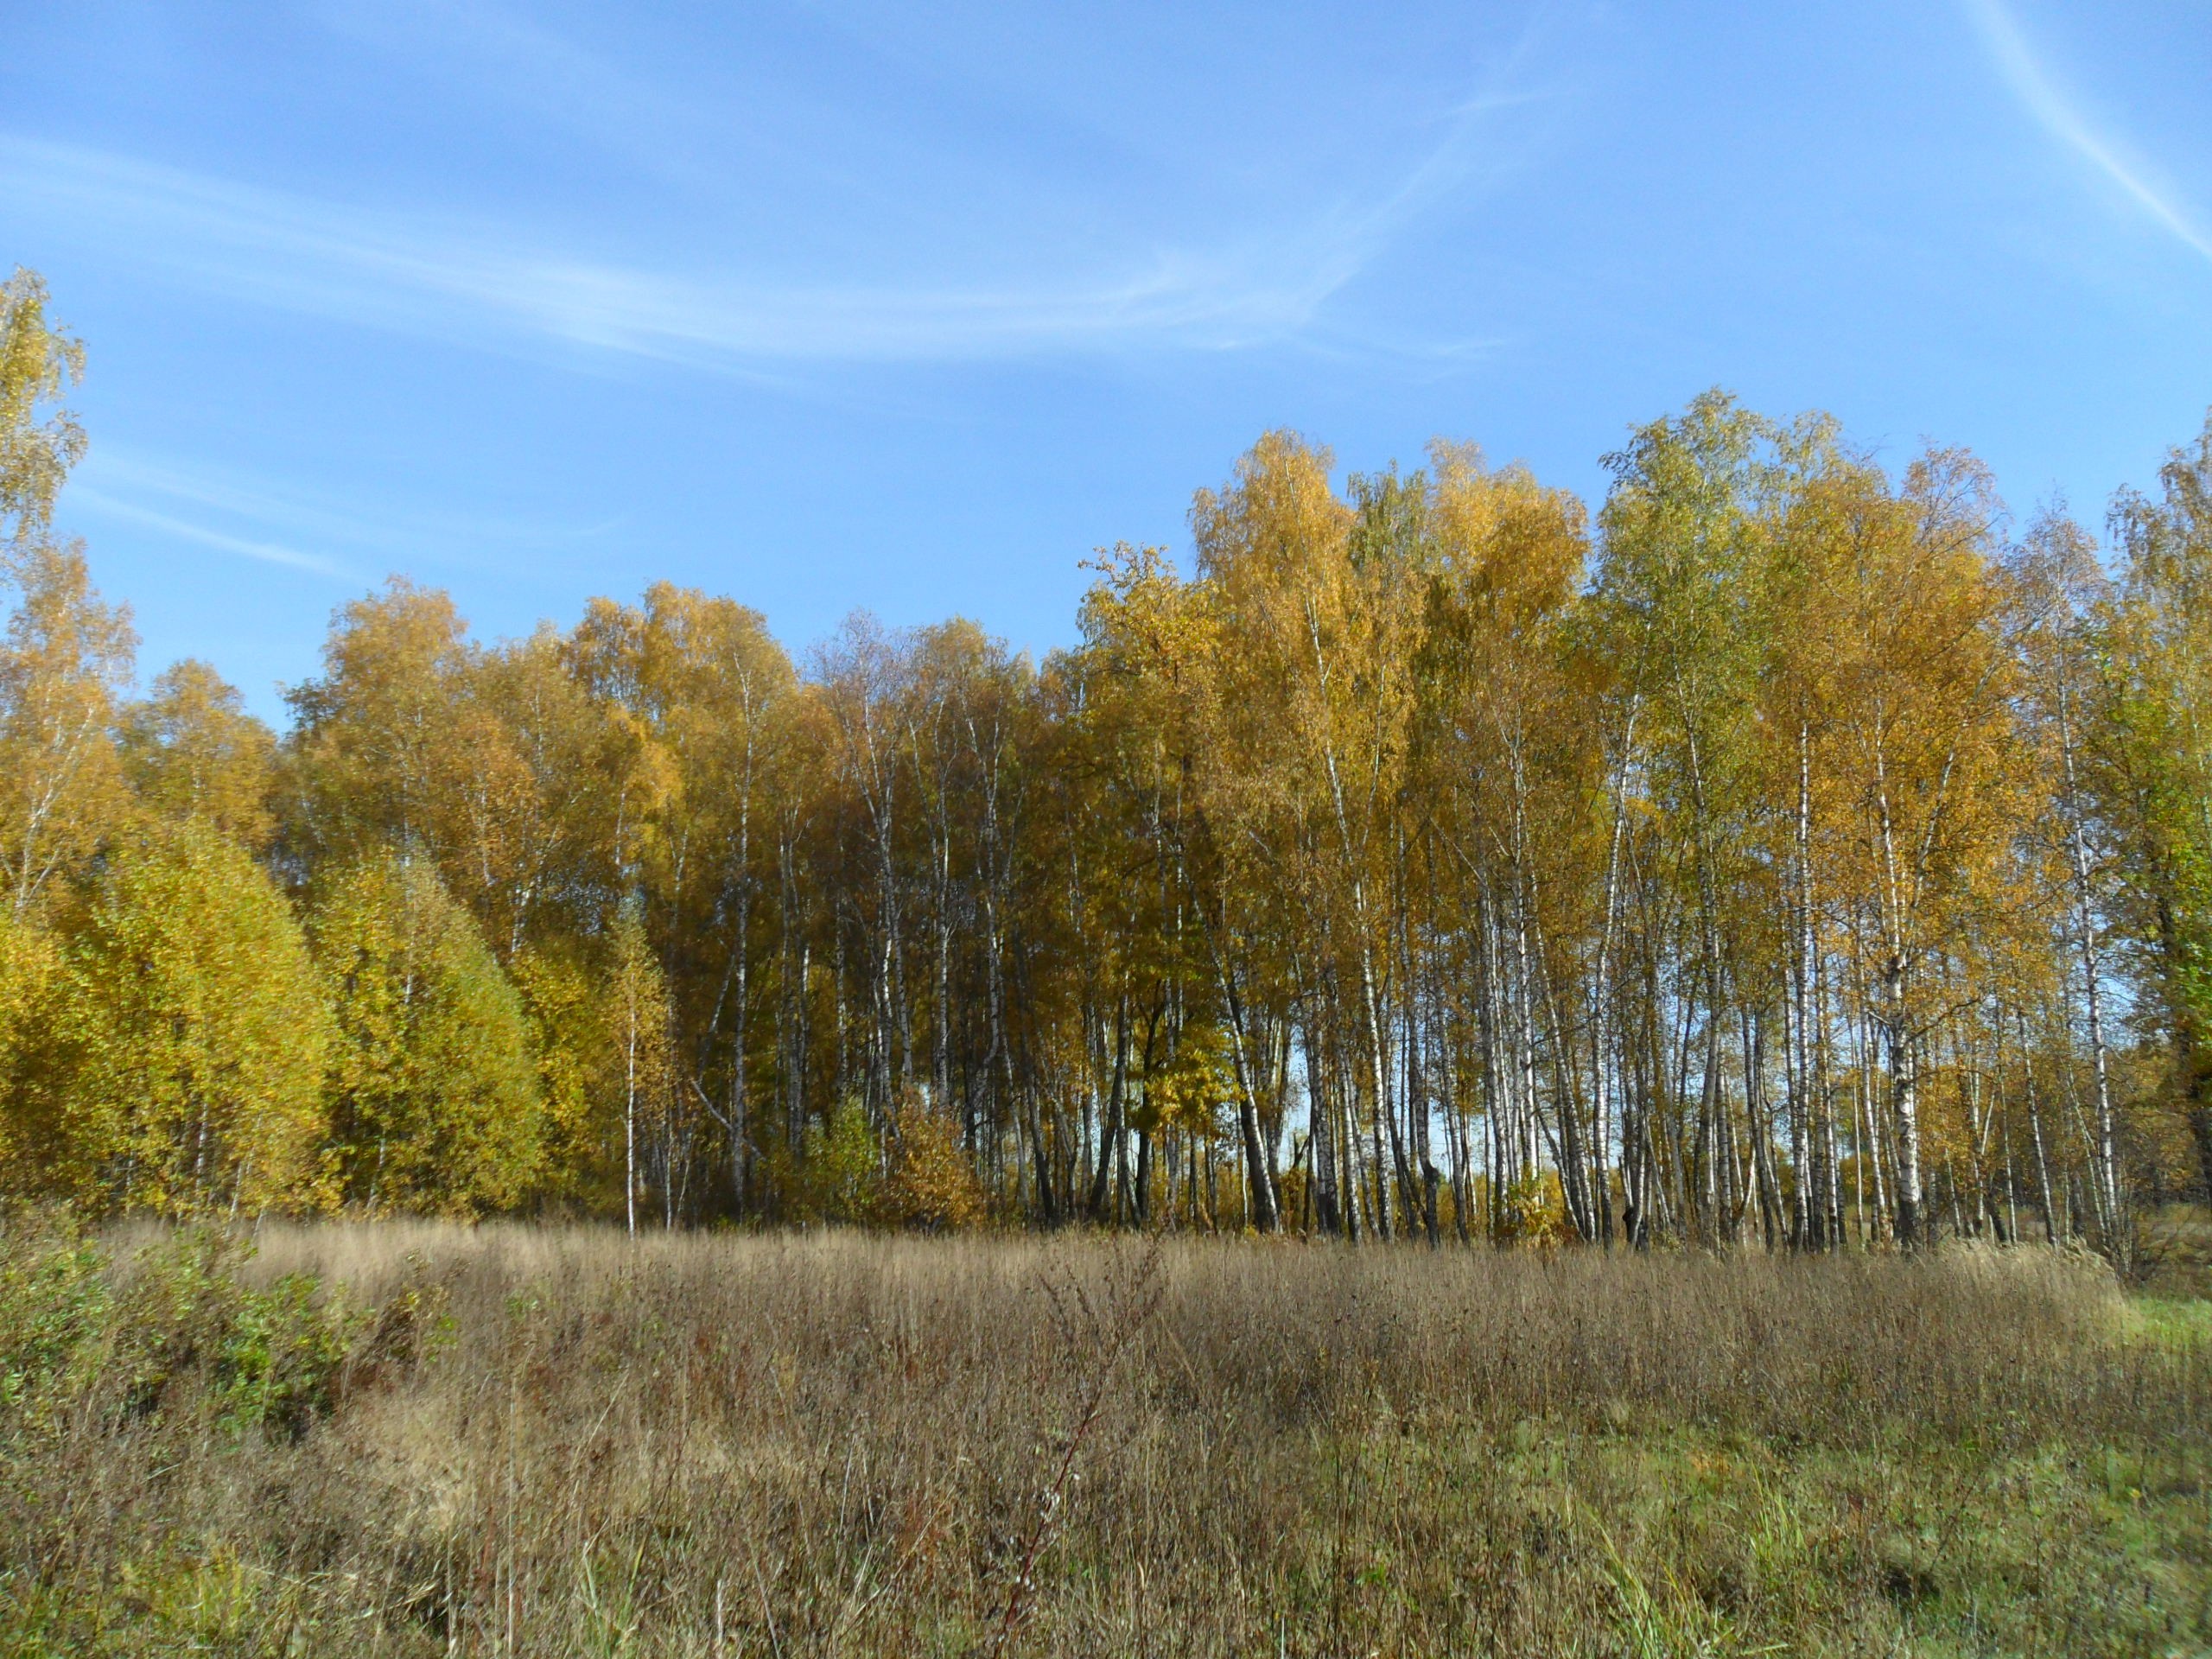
x: 933, y: 1184
x: 178, y: 1319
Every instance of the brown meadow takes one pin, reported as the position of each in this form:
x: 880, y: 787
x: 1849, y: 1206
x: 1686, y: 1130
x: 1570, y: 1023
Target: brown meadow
x: 548, y: 1441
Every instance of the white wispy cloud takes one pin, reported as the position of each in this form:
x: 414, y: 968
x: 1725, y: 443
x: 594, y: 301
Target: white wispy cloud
x: 501, y: 52
x: 288, y: 523
x: 185, y: 529
x: 2058, y: 116
x: 292, y: 251
x: 484, y: 282
x: 312, y: 256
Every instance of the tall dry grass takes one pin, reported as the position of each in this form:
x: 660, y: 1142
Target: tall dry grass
x: 845, y: 1444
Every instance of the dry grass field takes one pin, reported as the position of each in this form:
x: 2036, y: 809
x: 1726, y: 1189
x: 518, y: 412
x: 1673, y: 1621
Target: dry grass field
x: 405, y: 1439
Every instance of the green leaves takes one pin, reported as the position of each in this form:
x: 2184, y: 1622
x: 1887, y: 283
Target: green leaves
x: 78, y: 1329
x: 52, y: 1301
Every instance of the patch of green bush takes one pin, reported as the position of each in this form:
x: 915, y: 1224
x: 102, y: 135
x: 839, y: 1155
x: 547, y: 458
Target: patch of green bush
x: 81, y: 1330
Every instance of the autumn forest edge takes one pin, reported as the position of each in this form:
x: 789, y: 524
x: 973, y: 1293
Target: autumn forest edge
x: 1787, y: 851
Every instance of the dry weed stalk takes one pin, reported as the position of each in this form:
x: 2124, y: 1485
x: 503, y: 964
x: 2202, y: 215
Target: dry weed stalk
x: 1102, y: 1334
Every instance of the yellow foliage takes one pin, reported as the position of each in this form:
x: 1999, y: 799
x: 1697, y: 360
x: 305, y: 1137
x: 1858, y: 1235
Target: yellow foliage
x: 569, y: 1038
x: 189, y: 1048
x: 434, y: 1096
x: 29, y: 978
x: 1533, y: 1210
x: 932, y: 1181
x: 192, y: 750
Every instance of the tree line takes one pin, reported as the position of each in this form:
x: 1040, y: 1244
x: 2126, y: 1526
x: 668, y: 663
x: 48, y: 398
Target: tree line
x: 1791, y: 850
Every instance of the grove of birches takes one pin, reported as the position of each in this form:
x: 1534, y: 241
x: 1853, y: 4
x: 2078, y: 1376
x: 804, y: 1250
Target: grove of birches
x: 1795, y: 851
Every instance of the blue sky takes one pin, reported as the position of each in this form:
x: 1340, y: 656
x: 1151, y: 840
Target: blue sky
x: 831, y: 305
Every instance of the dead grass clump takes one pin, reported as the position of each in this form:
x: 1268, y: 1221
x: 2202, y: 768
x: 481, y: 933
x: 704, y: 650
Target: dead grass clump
x: 570, y: 1442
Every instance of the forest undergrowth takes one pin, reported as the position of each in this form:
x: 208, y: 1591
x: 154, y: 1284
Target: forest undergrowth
x: 407, y: 1439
